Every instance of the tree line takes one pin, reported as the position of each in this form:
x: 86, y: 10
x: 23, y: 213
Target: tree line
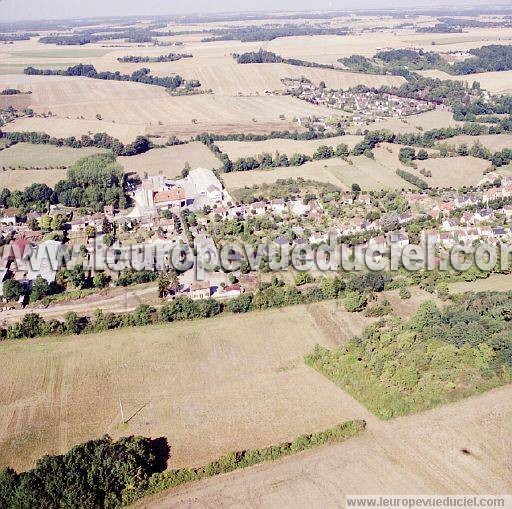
x: 139, y: 76
x: 137, y: 59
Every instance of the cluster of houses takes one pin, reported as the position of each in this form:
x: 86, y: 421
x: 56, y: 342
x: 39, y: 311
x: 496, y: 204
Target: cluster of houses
x: 363, y: 106
x: 155, y: 220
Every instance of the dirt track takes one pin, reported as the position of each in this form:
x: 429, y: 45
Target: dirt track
x: 418, y: 454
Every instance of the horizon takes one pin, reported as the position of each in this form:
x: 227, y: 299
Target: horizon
x: 11, y: 9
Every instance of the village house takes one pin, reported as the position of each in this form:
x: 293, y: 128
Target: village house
x: 200, y: 290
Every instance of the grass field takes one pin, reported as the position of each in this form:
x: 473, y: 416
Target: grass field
x: 210, y: 386
x: 370, y: 174
x: 495, y: 282
x: 494, y: 82
x: 416, y: 123
x: 20, y: 179
x: 23, y: 155
x: 458, y: 448
x: 236, y: 149
x: 171, y: 160
x: 207, y: 386
x: 493, y: 142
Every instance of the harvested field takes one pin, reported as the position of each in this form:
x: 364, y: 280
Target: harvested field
x: 236, y: 149
x: 170, y: 161
x: 414, y: 123
x: 316, y: 170
x: 26, y: 155
x: 151, y: 109
x: 370, y: 174
x: 209, y: 387
x: 420, y: 453
x: 453, y: 171
x: 494, y: 82
x: 20, y: 179
x: 493, y: 142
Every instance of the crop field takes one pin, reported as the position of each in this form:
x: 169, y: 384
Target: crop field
x: 458, y: 448
x: 27, y: 155
x: 236, y: 149
x: 494, y: 142
x: 370, y: 174
x: 495, y: 82
x: 151, y: 109
x: 20, y: 179
x: 206, y: 386
x: 170, y: 161
x: 453, y: 171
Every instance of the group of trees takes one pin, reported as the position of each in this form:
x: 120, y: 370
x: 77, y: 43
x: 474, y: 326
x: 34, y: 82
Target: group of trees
x: 92, y: 182
x: 268, y: 57
x: 139, y: 76
x: 92, y: 475
x: 412, y: 179
x: 138, y: 59
x: 398, y: 367
x: 266, y: 160
x: 99, y: 140
x: 269, y: 33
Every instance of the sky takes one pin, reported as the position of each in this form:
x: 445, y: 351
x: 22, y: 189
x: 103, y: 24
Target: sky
x: 47, y: 9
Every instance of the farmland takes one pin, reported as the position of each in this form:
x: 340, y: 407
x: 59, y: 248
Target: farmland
x: 370, y: 174
x: 20, y: 179
x: 170, y: 161
x: 390, y: 458
x: 25, y: 155
x: 236, y: 149
x: 207, y: 387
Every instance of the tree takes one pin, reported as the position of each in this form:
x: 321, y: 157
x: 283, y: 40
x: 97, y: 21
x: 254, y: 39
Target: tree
x: 422, y: 154
x: 323, y: 152
x: 39, y: 289
x: 77, y: 276
x: 100, y: 280
x: 168, y: 283
x: 354, y: 301
x: 72, y: 323
x: 12, y: 290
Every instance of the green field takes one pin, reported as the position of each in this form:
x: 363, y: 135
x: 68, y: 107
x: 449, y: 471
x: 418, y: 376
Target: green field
x: 26, y: 155
x: 61, y: 53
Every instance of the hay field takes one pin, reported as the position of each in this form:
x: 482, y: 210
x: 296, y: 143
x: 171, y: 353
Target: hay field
x: 170, y: 161
x: 23, y: 155
x: 370, y: 174
x: 453, y: 171
x: 153, y: 110
x: 420, y: 453
x: 494, y: 142
x: 499, y: 82
x: 236, y: 149
x: 415, y: 123
x: 209, y: 386
x: 20, y: 179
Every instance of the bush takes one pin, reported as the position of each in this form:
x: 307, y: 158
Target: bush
x: 354, y: 301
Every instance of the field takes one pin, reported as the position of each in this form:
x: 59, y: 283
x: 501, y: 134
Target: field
x: 368, y: 173
x: 206, y: 386
x: 170, y: 161
x: 495, y: 82
x: 494, y: 283
x: 151, y: 110
x: 20, y: 179
x: 23, y: 155
x: 493, y: 142
x: 454, y: 449
x: 454, y: 171
x: 236, y: 149
x: 416, y: 123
